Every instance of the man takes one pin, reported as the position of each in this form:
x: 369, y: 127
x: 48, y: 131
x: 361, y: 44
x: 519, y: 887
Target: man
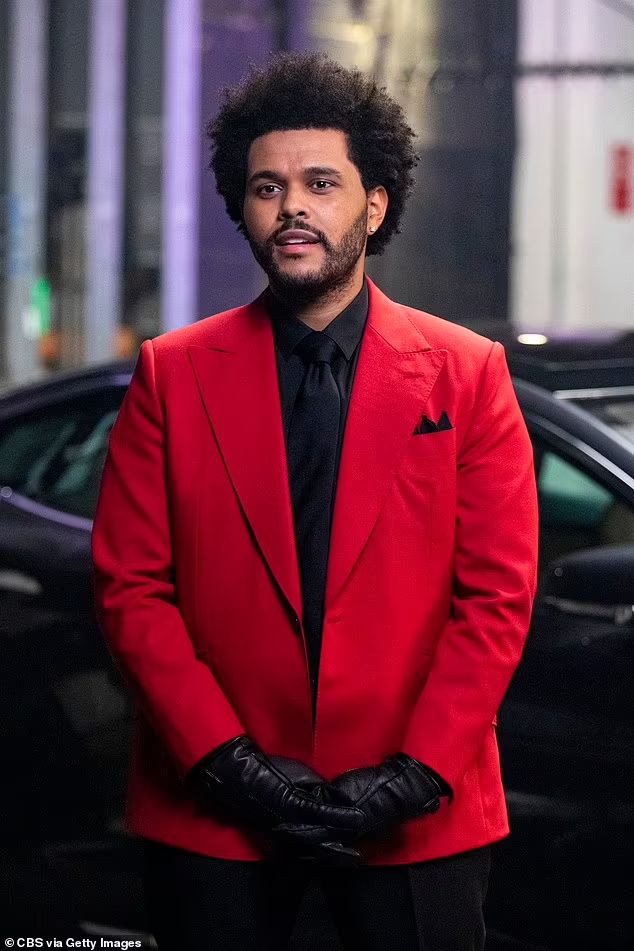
x: 314, y: 558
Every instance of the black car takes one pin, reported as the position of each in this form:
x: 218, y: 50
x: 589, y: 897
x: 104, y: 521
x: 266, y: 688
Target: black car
x: 566, y: 728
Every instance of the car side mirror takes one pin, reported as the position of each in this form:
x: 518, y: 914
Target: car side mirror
x: 596, y: 582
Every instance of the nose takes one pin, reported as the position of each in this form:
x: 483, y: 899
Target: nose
x: 292, y: 204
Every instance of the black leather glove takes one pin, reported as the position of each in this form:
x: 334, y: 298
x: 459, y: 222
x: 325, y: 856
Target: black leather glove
x: 399, y: 789
x: 239, y: 778
x: 309, y: 847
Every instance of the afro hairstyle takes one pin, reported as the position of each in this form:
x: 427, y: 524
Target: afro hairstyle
x: 312, y: 91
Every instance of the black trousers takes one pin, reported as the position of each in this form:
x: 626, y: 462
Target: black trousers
x: 197, y: 903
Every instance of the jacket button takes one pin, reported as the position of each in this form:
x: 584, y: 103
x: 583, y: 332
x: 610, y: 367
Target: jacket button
x: 297, y: 624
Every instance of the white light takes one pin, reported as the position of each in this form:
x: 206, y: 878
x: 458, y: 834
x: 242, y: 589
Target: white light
x: 532, y: 340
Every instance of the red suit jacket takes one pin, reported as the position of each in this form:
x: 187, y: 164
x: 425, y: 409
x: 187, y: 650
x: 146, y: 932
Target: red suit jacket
x: 431, y: 572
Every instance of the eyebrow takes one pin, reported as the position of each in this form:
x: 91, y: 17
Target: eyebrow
x: 322, y: 170
x: 266, y: 173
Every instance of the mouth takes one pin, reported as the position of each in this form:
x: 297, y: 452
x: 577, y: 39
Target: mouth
x: 295, y: 239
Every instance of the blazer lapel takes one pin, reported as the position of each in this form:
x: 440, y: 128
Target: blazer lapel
x: 237, y: 377
x: 395, y: 375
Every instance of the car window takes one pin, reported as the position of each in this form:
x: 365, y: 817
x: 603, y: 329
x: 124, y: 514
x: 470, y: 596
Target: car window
x: 576, y: 512
x: 55, y: 455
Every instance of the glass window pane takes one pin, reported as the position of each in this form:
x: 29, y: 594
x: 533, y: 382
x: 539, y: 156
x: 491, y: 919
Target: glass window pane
x: 577, y: 512
x: 55, y: 456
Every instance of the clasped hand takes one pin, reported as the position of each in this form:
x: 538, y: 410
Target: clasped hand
x: 305, y: 814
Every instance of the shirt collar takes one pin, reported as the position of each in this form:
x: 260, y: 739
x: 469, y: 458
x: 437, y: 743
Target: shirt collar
x: 346, y: 329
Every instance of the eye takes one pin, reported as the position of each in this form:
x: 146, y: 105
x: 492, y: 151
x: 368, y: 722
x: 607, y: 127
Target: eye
x: 321, y: 185
x: 268, y: 189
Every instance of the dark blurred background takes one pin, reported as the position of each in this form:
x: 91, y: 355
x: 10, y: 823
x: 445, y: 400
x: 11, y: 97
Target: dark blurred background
x: 521, y: 226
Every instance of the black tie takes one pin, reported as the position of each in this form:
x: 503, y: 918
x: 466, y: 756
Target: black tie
x: 312, y: 446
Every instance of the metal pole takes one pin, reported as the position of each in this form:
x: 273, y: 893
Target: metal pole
x: 181, y: 162
x: 105, y: 200
x: 26, y: 181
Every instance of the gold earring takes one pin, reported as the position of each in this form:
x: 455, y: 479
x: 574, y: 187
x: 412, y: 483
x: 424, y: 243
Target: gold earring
x: 372, y: 229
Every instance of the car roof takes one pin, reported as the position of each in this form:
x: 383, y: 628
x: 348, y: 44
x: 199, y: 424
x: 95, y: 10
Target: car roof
x: 73, y: 382
x: 572, y: 363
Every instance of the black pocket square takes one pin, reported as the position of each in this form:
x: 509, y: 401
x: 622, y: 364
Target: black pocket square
x: 427, y: 425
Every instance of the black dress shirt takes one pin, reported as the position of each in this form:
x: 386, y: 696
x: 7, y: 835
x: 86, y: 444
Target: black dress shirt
x: 347, y: 331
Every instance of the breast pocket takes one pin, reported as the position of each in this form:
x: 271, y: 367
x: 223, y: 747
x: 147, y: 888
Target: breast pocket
x: 426, y: 483
x: 431, y: 457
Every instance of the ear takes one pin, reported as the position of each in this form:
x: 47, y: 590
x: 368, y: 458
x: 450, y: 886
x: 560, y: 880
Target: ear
x: 377, y: 207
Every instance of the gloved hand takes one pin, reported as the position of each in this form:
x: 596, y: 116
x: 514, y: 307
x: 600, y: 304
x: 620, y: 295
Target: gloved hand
x: 238, y: 777
x: 309, y: 848
x: 399, y: 789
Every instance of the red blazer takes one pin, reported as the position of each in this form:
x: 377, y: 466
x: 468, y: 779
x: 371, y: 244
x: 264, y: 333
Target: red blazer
x: 430, y: 579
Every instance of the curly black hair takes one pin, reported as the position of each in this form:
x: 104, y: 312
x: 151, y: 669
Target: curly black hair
x: 302, y: 91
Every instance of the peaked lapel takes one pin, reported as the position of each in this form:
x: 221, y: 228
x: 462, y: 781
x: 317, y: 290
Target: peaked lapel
x: 395, y: 374
x: 237, y: 378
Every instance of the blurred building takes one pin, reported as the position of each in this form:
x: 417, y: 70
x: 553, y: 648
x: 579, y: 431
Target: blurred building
x: 80, y: 180
x: 573, y: 214
x: 110, y: 227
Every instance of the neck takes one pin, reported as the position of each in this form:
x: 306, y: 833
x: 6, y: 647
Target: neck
x: 318, y: 313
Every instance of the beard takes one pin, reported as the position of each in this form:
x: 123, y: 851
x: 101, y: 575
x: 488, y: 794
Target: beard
x: 334, y: 274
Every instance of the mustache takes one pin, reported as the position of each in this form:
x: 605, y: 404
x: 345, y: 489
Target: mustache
x: 295, y: 225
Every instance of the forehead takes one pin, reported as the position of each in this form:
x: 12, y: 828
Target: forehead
x: 295, y: 149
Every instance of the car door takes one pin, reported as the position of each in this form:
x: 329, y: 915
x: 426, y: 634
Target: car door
x: 566, y: 727
x: 63, y: 716
x: 570, y: 702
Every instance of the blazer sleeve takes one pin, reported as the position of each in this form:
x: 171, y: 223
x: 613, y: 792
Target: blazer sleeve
x: 495, y: 569
x: 134, y: 588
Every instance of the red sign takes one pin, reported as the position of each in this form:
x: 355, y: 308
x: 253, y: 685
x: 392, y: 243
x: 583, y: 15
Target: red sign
x: 621, y: 179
